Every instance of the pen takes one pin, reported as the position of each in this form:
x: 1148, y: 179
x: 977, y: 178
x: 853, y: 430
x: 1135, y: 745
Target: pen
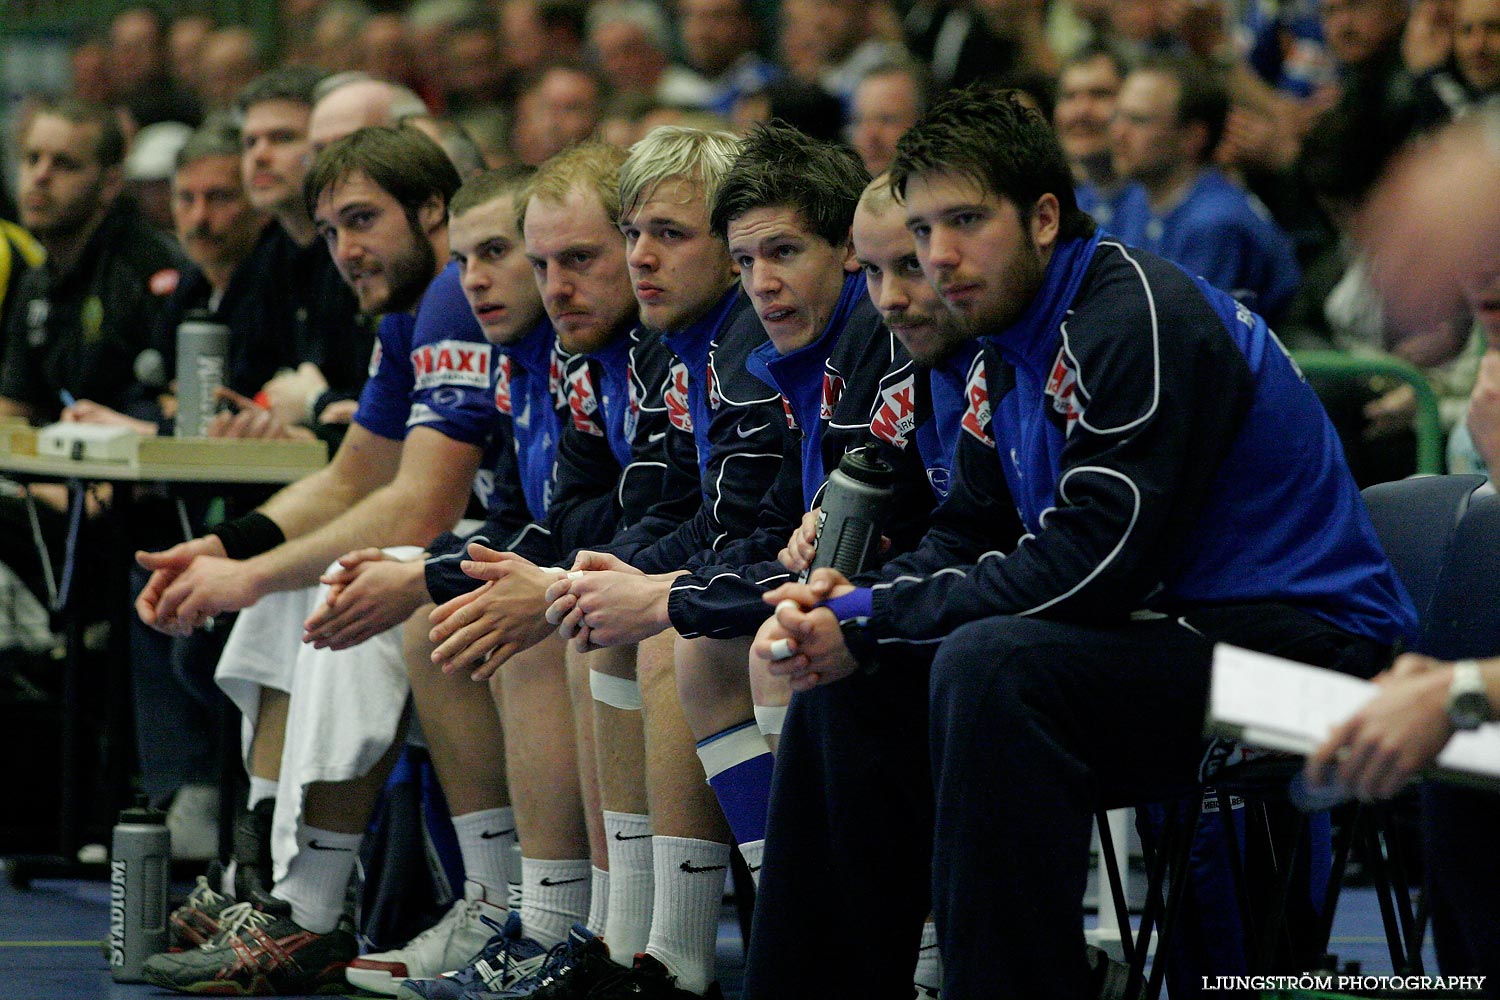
x: 66, y: 397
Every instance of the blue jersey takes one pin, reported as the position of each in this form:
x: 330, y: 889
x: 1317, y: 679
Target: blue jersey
x: 810, y: 389
x: 1100, y: 208
x: 687, y: 397
x: 431, y: 371
x: 528, y: 377
x: 1162, y: 453
x: 937, y: 438
x: 1218, y: 232
x: 829, y: 391
x: 724, y: 441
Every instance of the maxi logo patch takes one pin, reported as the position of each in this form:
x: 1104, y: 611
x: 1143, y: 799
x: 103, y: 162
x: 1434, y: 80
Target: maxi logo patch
x: 502, y: 385
x: 1061, y: 385
x: 452, y: 362
x: 676, y: 398
x: 977, y: 405
x: 833, y: 391
x: 583, y: 402
x: 896, y: 415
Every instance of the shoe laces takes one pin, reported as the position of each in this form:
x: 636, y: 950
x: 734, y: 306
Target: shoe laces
x: 499, y: 966
x: 204, y: 895
x: 510, y: 971
x: 555, y: 963
x: 235, y: 920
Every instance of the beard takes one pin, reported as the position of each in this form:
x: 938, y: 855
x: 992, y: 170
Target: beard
x: 1015, y: 287
x: 407, y: 275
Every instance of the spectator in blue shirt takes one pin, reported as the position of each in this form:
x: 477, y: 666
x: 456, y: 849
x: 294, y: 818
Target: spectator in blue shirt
x: 1169, y: 121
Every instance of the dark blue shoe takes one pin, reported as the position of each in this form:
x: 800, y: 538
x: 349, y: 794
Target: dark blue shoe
x: 509, y: 957
x: 571, y: 971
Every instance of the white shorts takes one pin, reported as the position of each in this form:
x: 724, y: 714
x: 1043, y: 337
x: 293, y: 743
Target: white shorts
x: 344, y: 708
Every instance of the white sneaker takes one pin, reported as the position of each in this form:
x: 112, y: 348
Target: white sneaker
x: 447, y: 945
x: 193, y: 821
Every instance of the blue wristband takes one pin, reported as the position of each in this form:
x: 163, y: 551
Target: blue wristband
x: 856, y: 604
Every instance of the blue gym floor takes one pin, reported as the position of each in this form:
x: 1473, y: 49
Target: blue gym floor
x: 50, y: 934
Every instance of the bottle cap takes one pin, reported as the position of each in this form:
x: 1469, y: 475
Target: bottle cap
x: 142, y: 813
x: 865, y: 465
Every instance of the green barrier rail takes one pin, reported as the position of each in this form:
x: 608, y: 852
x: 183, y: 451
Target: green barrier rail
x: 1428, y: 422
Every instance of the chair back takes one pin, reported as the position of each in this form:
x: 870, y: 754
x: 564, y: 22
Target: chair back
x: 1417, y: 521
x: 1464, y: 618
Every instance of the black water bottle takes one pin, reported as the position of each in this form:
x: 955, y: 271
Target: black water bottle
x: 855, y: 505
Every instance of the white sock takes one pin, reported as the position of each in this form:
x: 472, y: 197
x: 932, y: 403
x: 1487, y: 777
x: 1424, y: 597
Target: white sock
x: 484, y: 839
x: 929, y: 960
x: 689, y: 897
x: 317, y: 878
x: 631, y: 884
x: 598, y: 902
x: 754, y: 853
x: 556, y: 896
x: 261, y: 789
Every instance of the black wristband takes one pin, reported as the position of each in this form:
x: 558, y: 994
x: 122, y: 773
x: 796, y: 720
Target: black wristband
x: 249, y: 535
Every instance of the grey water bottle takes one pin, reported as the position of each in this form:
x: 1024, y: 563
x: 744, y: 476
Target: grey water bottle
x: 855, y: 504
x: 202, y: 353
x: 139, y: 867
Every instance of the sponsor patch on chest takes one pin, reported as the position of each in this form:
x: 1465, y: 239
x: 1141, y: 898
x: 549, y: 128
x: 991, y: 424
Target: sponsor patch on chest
x: 676, y: 398
x: 1061, y: 389
x: 833, y: 391
x: 583, y: 402
x: 895, y: 414
x: 976, y: 419
x: 451, y: 362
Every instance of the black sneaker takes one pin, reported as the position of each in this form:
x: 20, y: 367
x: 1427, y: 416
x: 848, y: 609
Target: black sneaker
x: 252, y: 853
x: 196, y: 921
x: 650, y: 979
x: 258, y: 954
x: 571, y: 971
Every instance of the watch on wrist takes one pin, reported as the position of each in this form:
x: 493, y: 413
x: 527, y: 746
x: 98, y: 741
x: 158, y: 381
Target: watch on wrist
x: 1468, y: 699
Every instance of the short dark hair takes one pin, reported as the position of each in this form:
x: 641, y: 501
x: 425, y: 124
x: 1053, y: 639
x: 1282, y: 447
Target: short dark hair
x: 109, y: 149
x: 404, y: 162
x: 481, y: 188
x: 779, y: 166
x: 993, y: 138
x: 287, y: 83
x: 1201, y: 94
